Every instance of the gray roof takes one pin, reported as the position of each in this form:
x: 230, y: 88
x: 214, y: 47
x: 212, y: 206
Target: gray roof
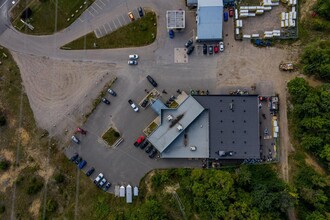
x: 176, y: 19
x: 157, y: 106
x: 197, y: 135
x: 165, y: 134
x: 209, y: 20
x: 192, y: 2
x: 234, y: 130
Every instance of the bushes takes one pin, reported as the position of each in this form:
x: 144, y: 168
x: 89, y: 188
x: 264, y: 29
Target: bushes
x: 316, y: 59
x: 35, y: 186
x: 323, y: 8
x: 59, y: 178
x: 4, y: 165
x: 3, y: 120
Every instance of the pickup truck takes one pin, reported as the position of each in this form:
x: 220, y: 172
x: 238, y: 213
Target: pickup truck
x: 139, y: 141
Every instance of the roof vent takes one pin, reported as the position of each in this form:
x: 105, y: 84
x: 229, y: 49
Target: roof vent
x: 193, y: 148
x: 180, y: 128
x: 169, y: 117
x: 231, y: 106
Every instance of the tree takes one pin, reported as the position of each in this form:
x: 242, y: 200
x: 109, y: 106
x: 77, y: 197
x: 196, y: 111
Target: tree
x: 325, y: 153
x: 3, y: 120
x: 4, y: 165
x: 151, y: 210
x: 298, y: 89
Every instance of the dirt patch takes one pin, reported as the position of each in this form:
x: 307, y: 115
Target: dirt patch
x: 60, y: 92
x: 25, y: 137
x: 171, y: 189
x: 7, y: 179
x: 35, y: 207
x: 148, y: 181
x: 306, y: 8
x: 311, y: 162
x: 7, y: 155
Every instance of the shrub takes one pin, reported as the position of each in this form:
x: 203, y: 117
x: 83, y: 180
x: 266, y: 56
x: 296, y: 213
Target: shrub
x: 59, y: 178
x: 51, y: 206
x: 35, y: 186
x: 2, y: 209
x: 3, y: 120
x: 4, y: 165
x: 116, y: 134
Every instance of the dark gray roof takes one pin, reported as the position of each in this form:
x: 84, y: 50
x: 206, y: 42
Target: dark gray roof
x: 233, y: 130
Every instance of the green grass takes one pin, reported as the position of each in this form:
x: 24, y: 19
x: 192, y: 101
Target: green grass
x: 138, y: 33
x: 43, y: 14
x: 111, y: 136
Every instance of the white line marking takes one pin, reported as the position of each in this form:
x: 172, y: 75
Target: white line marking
x: 81, y: 19
x: 109, y: 27
x: 102, y: 2
x: 90, y: 13
x: 94, y: 9
x: 6, y: 2
x: 114, y: 24
x: 98, y: 5
x: 105, y: 30
x: 119, y: 22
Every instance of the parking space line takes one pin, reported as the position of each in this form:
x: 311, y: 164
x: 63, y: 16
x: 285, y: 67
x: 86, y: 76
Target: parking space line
x: 98, y: 6
x: 126, y: 19
x: 90, y: 13
x: 109, y: 27
x: 80, y: 19
x: 123, y: 20
x: 102, y: 3
x: 114, y: 24
x: 113, y: 28
x: 97, y: 33
x: 105, y: 30
x: 119, y: 22
x: 94, y: 9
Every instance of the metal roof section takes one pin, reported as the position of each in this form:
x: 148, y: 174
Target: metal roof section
x: 157, y: 106
x: 129, y: 194
x: 209, y: 20
x: 174, y: 122
x: 176, y: 19
x: 192, y: 2
x: 193, y: 142
x: 234, y: 125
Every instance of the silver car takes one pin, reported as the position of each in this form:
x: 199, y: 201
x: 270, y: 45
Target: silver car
x: 133, y: 57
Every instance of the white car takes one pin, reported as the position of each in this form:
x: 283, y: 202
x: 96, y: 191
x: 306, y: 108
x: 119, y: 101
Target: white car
x: 133, y: 57
x: 103, y: 181
x: 135, y: 108
x: 98, y: 178
x: 75, y: 139
x: 132, y: 62
x: 221, y: 46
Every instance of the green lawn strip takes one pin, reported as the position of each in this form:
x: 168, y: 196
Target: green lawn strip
x: 43, y: 14
x: 138, y: 33
x: 111, y: 136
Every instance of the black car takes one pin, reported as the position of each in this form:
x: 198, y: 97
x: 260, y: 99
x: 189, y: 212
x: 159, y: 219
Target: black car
x: 152, y: 81
x: 106, y: 101
x: 204, y: 49
x: 107, y: 186
x: 149, y: 149
x: 210, y: 49
x: 144, y: 145
x: 111, y: 92
x: 188, y: 44
x: 140, y: 10
x: 144, y: 103
x: 78, y: 160
x: 74, y: 157
x: 153, y: 153
x: 90, y: 171
x: 190, y: 50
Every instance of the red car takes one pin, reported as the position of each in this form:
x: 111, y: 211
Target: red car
x: 216, y: 48
x: 139, y: 141
x: 231, y: 12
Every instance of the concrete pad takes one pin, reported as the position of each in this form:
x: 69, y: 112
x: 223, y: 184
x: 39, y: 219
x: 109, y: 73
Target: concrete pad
x: 180, y: 55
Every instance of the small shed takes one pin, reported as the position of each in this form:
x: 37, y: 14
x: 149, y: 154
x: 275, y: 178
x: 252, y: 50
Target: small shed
x: 176, y: 19
x: 128, y: 194
x: 136, y: 191
x: 122, y: 191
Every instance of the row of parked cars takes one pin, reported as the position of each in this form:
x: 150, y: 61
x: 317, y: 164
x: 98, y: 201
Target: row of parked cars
x: 144, y: 144
x: 101, y: 182
x: 206, y: 49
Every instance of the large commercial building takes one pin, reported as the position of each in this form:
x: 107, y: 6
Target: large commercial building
x: 209, y: 18
x: 212, y: 126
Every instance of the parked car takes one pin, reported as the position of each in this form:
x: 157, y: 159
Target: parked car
x: 144, y: 145
x: 210, y: 49
x: 189, y: 43
x: 171, y: 34
x: 190, y: 50
x: 90, y: 171
x: 82, y: 131
x: 111, y: 92
x: 98, y: 178
x: 144, y: 103
x: 82, y: 164
x: 133, y: 57
x: 105, y: 101
x: 216, y: 48
x: 225, y: 16
x: 231, y: 12
x: 153, y: 153
x: 102, y: 182
x: 152, y: 81
x: 204, y: 49
x: 107, y: 186
x: 135, y: 108
x: 131, y: 16
x: 222, y: 46
x: 139, y: 141
x: 149, y: 149
x: 140, y: 10
x: 74, y: 157
x: 132, y: 62
x: 75, y: 139
x: 78, y: 160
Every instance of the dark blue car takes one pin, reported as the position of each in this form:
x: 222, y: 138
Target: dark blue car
x: 225, y: 16
x: 82, y: 164
x: 171, y: 34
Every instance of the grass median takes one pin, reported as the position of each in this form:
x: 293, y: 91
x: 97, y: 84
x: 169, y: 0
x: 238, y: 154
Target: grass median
x: 138, y: 33
x: 111, y: 136
x: 45, y: 16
